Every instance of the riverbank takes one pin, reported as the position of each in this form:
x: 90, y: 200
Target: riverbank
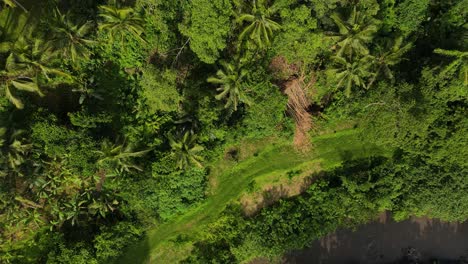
x: 387, y: 241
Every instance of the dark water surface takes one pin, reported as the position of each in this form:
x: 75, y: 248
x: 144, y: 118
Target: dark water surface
x: 417, y: 240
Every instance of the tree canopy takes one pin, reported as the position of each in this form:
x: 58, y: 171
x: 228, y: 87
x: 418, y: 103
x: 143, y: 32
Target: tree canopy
x: 224, y: 131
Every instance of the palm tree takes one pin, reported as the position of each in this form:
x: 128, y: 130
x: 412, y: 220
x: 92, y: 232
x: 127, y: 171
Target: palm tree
x: 69, y: 38
x: 387, y: 57
x: 355, y: 32
x: 185, y: 149
x: 260, y: 28
x: 118, y: 157
x: 16, y: 150
x: 27, y: 65
x: 230, y: 81
x: 119, y: 21
x: 459, y: 64
x: 351, y: 73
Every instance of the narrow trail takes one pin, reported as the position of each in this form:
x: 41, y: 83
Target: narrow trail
x: 231, y: 184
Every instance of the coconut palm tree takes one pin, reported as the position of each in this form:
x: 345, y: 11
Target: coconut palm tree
x: 355, y: 32
x: 351, y: 73
x: 120, y: 21
x: 460, y: 64
x: 118, y: 157
x: 70, y: 39
x: 231, y: 88
x: 185, y: 149
x: 387, y: 57
x: 15, y: 148
x: 27, y: 65
x: 260, y: 27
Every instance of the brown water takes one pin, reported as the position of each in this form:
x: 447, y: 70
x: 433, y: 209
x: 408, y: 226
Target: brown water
x: 387, y: 241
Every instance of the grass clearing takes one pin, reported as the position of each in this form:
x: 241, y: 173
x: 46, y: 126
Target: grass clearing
x: 233, y: 178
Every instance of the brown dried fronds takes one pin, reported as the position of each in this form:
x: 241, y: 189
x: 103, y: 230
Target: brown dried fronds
x: 281, y: 69
x: 298, y: 103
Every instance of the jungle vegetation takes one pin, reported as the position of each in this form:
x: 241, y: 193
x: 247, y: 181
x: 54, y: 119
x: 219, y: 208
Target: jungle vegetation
x: 137, y: 131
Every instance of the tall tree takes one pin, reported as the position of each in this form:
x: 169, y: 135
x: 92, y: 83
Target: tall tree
x: 387, y: 57
x: 185, y: 149
x: 355, y: 32
x: 120, y: 21
x: 69, y: 38
x: 230, y: 79
x: 260, y: 27
x: 28, y: 64
x: 460, y: 64
x: 351, y: 73
x: 118, y: 157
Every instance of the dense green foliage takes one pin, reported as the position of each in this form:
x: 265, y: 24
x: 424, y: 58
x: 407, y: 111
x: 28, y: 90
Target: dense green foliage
x: 124, y: 119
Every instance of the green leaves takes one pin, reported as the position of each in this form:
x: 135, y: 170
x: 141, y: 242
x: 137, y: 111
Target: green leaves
x: 355, y: 32
x: 28, y: 64
x: 69, y: 38
x: 260, y: 26
x: 231, y: 88
x: 460, y: 64
x: 118, y: 157
x: 207, y: 24
x: 351, y: 74
x: 185, y: 149
x: 387, y: 57
x: 120, y: 21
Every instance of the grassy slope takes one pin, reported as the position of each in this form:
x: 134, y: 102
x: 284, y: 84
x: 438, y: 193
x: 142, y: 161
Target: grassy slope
x: 330, y: 150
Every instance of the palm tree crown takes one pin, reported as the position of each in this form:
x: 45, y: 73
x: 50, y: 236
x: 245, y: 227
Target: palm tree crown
x: 26, y: 66
x: 351, y: 73
x: 387, y: 57
x: 260, y: 28
x: 459, y: 64
x: 118, y: 157
x: 230, y: 80
x: 119, y: 21
x: 70, y: 38
x: 185, y: 149
x: 355, y: 32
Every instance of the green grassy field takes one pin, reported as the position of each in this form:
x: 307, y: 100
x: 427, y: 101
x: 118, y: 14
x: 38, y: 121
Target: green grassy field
x: 329, y: 150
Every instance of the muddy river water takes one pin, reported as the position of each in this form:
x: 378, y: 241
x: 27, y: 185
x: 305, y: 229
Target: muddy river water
x: 417, y: 240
